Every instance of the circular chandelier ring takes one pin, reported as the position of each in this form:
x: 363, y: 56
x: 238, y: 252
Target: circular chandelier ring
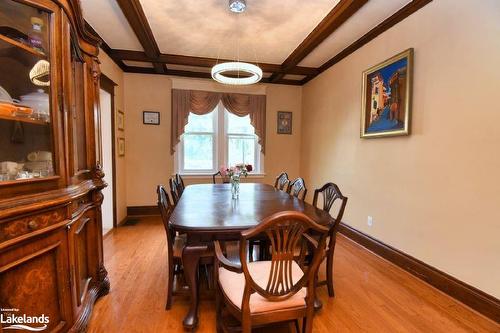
x: 254, y: 71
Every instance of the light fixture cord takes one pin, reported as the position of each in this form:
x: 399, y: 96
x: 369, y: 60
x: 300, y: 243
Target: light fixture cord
x: 238, y: 40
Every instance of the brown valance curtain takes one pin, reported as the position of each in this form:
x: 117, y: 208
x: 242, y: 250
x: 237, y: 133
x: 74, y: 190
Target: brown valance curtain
x: 203, y: 102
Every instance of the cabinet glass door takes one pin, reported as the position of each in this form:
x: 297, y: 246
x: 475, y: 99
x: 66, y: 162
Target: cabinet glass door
x: 26, y: 139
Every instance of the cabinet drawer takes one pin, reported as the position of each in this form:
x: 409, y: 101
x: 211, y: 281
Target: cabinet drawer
x: 80, y: 204
x: 13, y: 228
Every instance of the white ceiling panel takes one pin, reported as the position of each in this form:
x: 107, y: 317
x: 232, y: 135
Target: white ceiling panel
x: 268, y: 31
x: 370, y: 15
x: 107, y: 19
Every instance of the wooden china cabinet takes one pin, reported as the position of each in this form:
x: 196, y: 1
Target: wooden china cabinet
x: 51, y: 255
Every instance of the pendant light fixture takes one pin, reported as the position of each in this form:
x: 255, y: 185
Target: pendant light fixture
x: 252, y: 73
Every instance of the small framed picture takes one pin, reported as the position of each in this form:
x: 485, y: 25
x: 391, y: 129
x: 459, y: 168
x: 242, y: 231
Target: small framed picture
x: 284, y: 122
x: 151, y: 118
x: 121, y: 146
x: 120, y: 120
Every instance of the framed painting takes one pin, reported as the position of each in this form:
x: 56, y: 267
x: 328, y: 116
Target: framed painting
x: 120, y: 120
x: 284, y: 122
x: 386, y: 99
x: 121, y: 146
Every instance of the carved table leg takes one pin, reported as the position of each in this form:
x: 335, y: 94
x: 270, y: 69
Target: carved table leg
x: 190, y: 258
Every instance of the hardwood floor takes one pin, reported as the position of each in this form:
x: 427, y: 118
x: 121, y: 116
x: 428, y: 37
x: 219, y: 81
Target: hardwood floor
x: 371, y: 295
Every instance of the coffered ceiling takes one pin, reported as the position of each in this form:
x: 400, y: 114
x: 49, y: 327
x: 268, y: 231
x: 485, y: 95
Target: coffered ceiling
x: 291, y: 40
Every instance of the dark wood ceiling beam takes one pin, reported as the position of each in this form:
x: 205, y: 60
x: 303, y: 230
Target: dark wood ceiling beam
x: 335, y: 18
x: 203, y: 62
x: 135, y: 16
x: 388, y: 23
x: 201, y: 75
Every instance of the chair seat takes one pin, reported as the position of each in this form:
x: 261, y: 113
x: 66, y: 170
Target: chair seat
x: 233, y: 285
x: 179, y: 244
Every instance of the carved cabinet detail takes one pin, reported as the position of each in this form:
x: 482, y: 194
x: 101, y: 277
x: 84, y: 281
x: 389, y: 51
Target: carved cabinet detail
x: 51, y: 260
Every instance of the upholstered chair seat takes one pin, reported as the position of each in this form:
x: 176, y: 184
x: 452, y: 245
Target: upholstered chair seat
x: 233, y: 285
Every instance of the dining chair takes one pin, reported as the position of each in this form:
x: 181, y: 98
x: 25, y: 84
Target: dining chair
x: 330, y: 193
x: 277, y: 290
x: 281, y: 181
x: 180, y: 183
x: 174, y: 190
x: 297, y: 188
x: 224, y: 180
x: 175, y: 243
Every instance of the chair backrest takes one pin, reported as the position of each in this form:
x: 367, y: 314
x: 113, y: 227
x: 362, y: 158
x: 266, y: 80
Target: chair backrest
x: 284, y: 230
x: 166, y: 209
x: 331, y: 193
x: 297, y: 188
x: 180, y: 183
x: 281, y: 181
x: 174, y: 190
x: 224, y: 180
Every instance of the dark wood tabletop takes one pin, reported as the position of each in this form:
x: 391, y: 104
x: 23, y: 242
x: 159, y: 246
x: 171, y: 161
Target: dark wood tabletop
x: 207, y: 212
x: 210, y: 208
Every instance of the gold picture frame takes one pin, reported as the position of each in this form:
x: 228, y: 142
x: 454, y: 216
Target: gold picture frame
x: 120, y: 120
x: 386, y: 97
x: 121, y: 147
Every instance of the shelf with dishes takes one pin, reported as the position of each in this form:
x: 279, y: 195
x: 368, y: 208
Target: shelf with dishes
x: 37, y: 164
x: 32, y: 108
x: 23, y: 46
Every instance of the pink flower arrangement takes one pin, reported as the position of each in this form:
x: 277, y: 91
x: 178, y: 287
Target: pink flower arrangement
x: 238, y: 170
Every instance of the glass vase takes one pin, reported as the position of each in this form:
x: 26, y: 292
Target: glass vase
x: 235, y: 187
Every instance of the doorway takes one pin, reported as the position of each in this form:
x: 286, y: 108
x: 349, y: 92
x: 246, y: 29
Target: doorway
x: 107, y: 97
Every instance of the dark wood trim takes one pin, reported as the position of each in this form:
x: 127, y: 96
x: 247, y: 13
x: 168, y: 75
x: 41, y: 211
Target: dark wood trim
x: 203, y: 62
x: 335, y: 18
x: 109, y: 86
x: 473, y: 297
x: 388, y: 23
x: 142, y: 211
x: 135, y: 16
x: 201, y: 75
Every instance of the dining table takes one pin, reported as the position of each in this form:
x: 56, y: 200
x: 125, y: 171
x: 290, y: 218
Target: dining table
x: 208, y: 212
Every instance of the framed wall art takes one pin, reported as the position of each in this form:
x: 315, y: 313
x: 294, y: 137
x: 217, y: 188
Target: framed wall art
x: 284, y: 122
x: 120, y: 120
x: 121, y: 146
x: 386, y: 99
x: 151, y: 118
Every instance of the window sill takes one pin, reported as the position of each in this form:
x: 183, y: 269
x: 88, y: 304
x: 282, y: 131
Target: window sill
x: 209, y: 175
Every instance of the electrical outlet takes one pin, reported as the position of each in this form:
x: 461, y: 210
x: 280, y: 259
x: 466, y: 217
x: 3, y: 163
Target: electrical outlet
x: 370, y: 221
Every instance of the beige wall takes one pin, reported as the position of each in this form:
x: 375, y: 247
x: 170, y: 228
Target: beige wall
x: 435, y: 194
x: 112, y: 71
x: 148, y: 158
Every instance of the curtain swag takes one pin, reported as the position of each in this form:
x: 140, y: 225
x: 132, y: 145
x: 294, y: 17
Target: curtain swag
x: 203, y: 102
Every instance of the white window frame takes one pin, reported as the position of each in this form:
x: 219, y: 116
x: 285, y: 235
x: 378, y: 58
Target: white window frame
x: 257, y: 167
x: 180, y: 149
x: 221, y: 148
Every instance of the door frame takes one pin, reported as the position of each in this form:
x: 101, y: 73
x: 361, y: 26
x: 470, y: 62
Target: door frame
x: 109, y: 86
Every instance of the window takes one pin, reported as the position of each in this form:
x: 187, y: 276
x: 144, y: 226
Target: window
x: 215, y: 139
x: 198, y: 143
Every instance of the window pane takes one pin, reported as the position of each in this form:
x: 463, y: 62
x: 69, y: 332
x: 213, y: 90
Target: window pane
x: 241, y: 150
x: 239, y: 125
x: 204, y: 123
x: 198, y: 152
